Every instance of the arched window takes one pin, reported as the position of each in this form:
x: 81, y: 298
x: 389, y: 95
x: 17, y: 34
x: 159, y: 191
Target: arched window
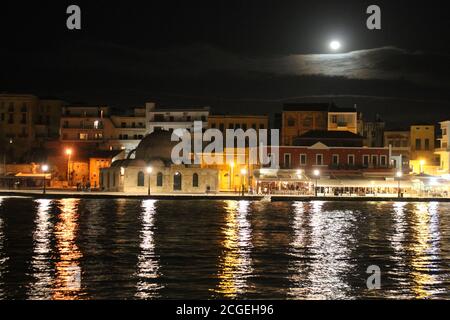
x: 141, y: 179
x: 195, y: 180
x: 159, y: 179
x: 177, y: 181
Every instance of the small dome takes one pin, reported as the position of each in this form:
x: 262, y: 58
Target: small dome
x: 128, y: 163
x: 156, y: 146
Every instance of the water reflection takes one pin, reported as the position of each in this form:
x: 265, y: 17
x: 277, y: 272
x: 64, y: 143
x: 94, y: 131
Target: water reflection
x: 40, y: 264
x: 298, y: 267
x: 235, y: 263
x: 330, y: 246
x: 148, y: 264
x: 68, y: 270
x: 425, y: 250
x: 3, y: 258
x: 397, y: 237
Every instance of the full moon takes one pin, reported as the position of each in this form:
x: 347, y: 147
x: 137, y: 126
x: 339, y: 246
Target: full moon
x: 335, y: 45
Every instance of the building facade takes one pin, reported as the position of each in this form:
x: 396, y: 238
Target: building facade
x: 26, y: 122
x: 400, y: 143
x: 423, y: 157
x: 343, y: 119
x: 373, y: 133
x: 444, y: 150
x: 85, y: 126
x: 171, y: 118
x: 335, y: 160
x: 244, y: 122
x: 299, y: 118
x: 154, y: 151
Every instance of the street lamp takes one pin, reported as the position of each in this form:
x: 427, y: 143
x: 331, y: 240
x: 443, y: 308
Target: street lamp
x: 243, y: 174
x: 231, y: 174
x: 317, y: 175
x: 44, y: 169
x: 422, y: 163
x: 69, y: 155
x: 399, y: 175
x: 149, y: 171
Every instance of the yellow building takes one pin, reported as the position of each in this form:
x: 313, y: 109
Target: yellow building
x: 299, y: 118
x: 343, y: 119
x: 444, y: 151
x: 423, y: 158
x: 224, y: 122
x: 422, y: 143
x: 234, y: 174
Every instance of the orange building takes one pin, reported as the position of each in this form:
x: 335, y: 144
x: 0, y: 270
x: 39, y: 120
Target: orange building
x: 224, y: 122
x: 299, y: 118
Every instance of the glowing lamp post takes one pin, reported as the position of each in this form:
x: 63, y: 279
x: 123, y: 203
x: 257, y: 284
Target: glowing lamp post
x: 399, y: 175
x: 69, y: 155
x: 243, y: 174
x: 422, y: 163
x: 44, y: 169
x: 149, y: 171
x: 316, y: 175
x: 231, y: 174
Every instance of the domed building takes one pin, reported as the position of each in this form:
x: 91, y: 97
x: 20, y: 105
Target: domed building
x: 155, y: 152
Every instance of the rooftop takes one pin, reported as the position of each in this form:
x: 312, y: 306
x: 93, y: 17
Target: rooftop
x: 330, y: 134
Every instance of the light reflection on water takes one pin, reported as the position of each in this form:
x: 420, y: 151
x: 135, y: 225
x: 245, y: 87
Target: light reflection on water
x: 329, y: 248
x: 88, y: 249
x: 68, y: 271
x: 41, y: 288
x: 148, y: 264
x: 425, y: 250
x: 3, y: 258
x: 235, y: 264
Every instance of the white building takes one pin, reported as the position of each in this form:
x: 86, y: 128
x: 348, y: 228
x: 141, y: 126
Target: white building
x: 444, y: 150
x: 171, y: 118
x: 96, y: 127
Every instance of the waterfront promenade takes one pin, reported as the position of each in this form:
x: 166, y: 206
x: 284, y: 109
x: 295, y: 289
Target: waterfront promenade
x: 62, y: 194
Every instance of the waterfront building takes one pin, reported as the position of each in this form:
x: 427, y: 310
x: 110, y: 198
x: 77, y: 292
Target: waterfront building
x: 152, y: 170
x: 444, y: 150
x: 333, y: 155
x: 85, y: 126
x: 171, y: 118
x: 423, y: 158
x: 399, y: 140
x: 373, y: 133
x: 299, y: 118
x: 330, y: 138
x: 342, y: 119
x: 128, y: 130
x: 336, y: 160
x: 233, y: 176
x: 26, y: 123
x: 95, y: 127
x: 244, y: 122
x: 81, y: 166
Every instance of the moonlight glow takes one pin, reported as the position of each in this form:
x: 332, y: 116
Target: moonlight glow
x: 335, y: 45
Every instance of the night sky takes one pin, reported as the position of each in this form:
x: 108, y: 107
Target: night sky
x: 236, y: 56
